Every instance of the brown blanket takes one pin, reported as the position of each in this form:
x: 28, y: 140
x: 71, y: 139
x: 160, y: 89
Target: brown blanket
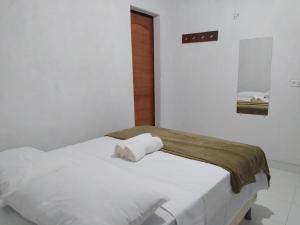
x: 241, y: 160
x: 256, y: 108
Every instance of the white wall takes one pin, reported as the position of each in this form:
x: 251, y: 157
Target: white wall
x: 65, y: 71
x: 200, y: 80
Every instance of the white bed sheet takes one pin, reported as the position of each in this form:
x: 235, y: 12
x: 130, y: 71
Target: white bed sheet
x: 205, y: 192
x: 9, y: 217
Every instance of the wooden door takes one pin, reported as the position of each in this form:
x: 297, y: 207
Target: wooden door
x: 143, y: 68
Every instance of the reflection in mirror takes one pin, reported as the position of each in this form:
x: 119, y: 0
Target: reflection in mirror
x: 254, y: 76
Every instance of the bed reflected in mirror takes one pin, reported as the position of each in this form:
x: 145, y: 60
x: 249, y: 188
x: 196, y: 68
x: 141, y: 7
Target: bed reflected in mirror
x: 254, y: 82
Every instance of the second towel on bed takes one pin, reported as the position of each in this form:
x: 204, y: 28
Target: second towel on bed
x: 134, y: 149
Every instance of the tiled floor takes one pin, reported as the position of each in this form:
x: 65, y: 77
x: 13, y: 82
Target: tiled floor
x: 280, y: 205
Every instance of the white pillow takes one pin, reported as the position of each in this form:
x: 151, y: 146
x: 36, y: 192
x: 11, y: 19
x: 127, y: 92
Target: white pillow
x: 74, y: 188
x: 13, y: 164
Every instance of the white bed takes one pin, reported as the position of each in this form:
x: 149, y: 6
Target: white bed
x: 200, y: 193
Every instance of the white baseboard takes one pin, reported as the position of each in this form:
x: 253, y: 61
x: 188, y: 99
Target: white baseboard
x: 284, y: 166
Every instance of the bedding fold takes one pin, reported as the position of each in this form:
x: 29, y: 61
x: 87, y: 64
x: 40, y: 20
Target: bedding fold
x: 241, y: 160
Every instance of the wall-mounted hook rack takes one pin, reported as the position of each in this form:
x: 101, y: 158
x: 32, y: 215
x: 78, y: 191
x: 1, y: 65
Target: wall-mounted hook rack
x: 200, y: 37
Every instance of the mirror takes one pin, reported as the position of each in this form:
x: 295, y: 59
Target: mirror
x: 254, y: 82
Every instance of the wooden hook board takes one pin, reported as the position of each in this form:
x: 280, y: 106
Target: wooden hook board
x: 200, y: 37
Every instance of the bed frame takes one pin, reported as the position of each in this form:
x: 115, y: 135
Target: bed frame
x: 245, y: 212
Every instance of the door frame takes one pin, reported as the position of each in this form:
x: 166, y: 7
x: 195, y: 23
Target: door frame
x: 157, y: 60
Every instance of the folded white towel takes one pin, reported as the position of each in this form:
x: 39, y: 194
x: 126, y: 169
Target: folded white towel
x: 259, y: 98
x: 120, y: 147
x: 136, y: 150
x: 155, y: 145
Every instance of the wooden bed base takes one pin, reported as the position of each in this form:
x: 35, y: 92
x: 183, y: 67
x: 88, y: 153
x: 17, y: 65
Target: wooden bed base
x: 245, y: 212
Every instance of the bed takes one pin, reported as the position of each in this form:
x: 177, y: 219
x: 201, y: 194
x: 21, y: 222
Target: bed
x: 256, y: 103
x: 200, y: 193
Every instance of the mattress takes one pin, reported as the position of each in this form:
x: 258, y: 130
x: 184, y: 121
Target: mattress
x: 199, y: 191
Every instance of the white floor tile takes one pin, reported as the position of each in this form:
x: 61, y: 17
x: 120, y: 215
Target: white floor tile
x: 294, y: 217
x: 261, y: 222
x: 283, y: 185
x: 278, y: 175
x: 10, y: 217
x: 298, y: 183
x: 5, y: 219
x: 273, y: 209
x: 297, y: 197
x: 273, y: 206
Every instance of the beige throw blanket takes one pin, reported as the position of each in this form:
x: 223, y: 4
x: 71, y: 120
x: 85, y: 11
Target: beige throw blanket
x: 241, y: 160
